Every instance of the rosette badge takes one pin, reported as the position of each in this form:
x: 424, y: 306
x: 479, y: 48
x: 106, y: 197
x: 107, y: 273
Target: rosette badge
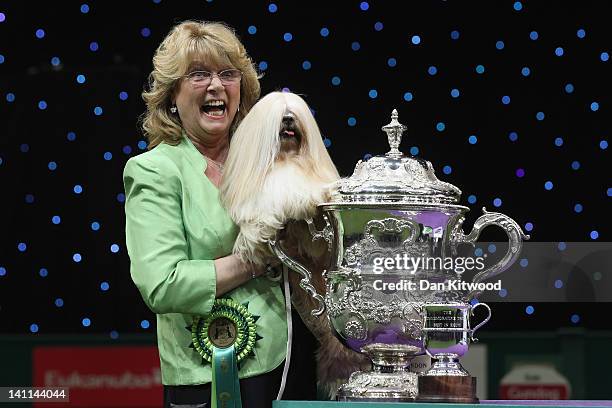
x: 224, y: 338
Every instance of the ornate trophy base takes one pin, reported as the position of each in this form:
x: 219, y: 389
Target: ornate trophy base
x: 390, y: 379
x: 453, y: 389
x: 381, y: 387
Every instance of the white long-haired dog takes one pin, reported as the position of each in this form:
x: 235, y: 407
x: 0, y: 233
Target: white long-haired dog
x: 278, y: 170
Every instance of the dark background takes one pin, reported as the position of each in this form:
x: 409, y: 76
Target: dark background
x: 43, y: 289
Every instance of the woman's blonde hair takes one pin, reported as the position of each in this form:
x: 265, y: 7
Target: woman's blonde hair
x: 209, y: 42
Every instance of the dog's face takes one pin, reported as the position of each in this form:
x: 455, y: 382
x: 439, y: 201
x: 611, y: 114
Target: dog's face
x: 290, y: 135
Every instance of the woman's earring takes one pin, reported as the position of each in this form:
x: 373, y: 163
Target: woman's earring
x: 173, y: 109
x: 238, y: 109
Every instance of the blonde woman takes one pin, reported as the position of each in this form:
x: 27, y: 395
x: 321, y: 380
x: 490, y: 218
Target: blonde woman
x: 178, y: 235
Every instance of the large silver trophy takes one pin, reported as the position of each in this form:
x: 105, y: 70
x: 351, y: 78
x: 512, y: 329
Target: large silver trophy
x: 391, y: 213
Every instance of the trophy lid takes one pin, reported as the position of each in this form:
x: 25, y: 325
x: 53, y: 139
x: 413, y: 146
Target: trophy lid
x: 394, y: 177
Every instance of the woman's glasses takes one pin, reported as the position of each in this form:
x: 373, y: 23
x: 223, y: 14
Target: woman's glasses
x: 203, y: 78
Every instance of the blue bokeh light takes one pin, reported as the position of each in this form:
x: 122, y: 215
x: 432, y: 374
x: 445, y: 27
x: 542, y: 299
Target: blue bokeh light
x: 497, y: 202
x: 529, y: 310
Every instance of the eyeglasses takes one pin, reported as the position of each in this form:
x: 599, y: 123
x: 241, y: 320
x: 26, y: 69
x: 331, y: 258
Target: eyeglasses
x: 227, y: 77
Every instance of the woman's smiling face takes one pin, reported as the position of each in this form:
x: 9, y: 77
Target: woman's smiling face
x: 207, y: 107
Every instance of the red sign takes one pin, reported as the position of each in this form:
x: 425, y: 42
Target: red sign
x: 534, y: 392
x: 100, y: 376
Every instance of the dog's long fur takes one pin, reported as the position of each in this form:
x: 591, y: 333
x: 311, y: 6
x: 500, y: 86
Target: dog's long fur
x: 262, y: 187
x: 267, y: 184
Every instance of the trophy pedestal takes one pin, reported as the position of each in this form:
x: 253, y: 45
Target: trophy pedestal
x: 390, y: 379
x: 380, y: 387
x: 451, y: 389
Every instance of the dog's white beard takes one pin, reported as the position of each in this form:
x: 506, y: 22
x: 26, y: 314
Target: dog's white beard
x: 289, y: 193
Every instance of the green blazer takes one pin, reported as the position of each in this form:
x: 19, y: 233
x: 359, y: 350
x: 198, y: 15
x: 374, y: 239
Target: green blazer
x: 175, y: 228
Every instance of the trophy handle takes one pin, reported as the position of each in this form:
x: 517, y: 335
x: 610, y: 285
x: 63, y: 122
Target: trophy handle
x: 327, y: 233
x: 515, y: 240
x: 479, y: 325
x: 299, y: 268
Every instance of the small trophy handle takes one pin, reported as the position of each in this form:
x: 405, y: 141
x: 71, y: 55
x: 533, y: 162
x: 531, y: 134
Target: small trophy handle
x: 515, y: 240
x: 479, y: 325
x: 299, y: 268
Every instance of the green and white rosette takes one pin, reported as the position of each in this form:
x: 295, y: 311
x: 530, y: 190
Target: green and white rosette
x: 224, y: 338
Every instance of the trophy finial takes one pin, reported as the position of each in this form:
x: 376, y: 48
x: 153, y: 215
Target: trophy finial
x: 394, y: 132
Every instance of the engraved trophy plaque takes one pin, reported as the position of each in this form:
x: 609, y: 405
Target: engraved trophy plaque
x: 394, y: 207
